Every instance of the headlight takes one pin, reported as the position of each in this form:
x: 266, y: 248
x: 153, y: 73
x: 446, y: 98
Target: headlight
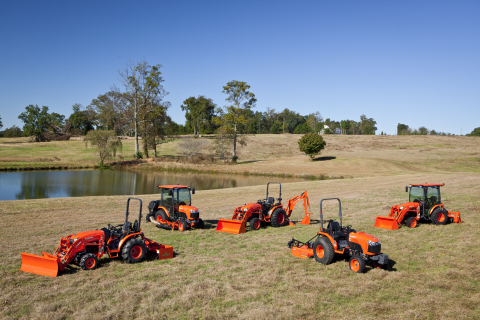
x: 371, y: 243
x: 193, y: 211
x: 401, y: 208
x: 245, y: 210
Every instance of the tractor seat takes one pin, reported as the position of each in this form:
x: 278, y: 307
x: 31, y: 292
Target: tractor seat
x: 270, y: 200
x: 334, y: 229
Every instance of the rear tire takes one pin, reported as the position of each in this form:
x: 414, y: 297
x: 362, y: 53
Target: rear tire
x: 411, y: 222
x: 439, y: 216
x: 89, y: 261
x: 182, y: 225
x: 357, y: 264
x: 161, y: 215
x: 134, y: 251
x: 323, y: 250
x: 279, y: 218
x: 255, y: 224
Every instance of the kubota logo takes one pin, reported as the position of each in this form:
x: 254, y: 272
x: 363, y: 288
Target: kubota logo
x: 166, y: 254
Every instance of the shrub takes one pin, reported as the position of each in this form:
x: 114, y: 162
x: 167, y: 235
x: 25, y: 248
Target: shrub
x: 311, y: 144
x: 106, y: 143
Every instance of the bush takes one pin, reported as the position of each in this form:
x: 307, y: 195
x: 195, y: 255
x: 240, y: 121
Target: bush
x: 302, y: 128
x: 138, y: 155
x: 106, y: 143
x: 311, y: 144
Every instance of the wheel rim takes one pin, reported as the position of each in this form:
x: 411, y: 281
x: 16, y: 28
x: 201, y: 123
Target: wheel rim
x: 256, y: 225
x: 355, y: 265
x: 441, y: 217
x: 180, y: 227
x: 159, y: 218
x: 136, y: 252
x: 280, y: 218
x: 90, y: 263
x: 320, y: 252
x: 413, y: 223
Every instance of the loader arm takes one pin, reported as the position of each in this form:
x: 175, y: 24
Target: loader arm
x: 292, y: 202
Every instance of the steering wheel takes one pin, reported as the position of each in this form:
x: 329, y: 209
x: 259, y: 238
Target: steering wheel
x: 182, y: 203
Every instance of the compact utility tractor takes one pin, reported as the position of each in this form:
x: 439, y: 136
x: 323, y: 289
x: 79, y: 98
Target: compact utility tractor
x: 424, y: 203
x: 174, y: 211
x: 338, y: 240
x: 266, y: 210
x: 85, y: 248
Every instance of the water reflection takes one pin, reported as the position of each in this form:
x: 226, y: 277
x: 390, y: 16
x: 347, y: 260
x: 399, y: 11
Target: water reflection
x: 58, y: 184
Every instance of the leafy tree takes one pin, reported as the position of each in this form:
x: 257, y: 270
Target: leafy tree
x: 313, y: 119
x: 403, y: 129
x: 107, y: 108
x: 1, y: 124
x: 199, y: 113
x: 277, y: 127
x: 232, y: 117
x: 423, y: 131
x: 303, y: 128
x: 82, y: 119
x: 311, y: 144
x: 12, y: 132
x: 475, y: 132
x: 106, y: 143
x: 143, y: 92
x: 36, y: 121
x: 367, y: 125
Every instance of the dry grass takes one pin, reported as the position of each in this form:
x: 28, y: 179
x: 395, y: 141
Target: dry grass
x: 433, y: 272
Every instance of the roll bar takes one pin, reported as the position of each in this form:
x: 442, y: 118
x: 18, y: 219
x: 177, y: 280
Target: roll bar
x: 339, y: 210
x: 139, y: 213
x: 279, y: 193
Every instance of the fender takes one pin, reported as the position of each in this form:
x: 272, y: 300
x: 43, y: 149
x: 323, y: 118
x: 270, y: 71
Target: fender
x: 435, y: 207
x: 334, y: 243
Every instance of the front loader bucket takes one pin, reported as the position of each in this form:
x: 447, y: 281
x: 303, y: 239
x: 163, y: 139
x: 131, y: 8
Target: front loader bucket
x: 386, y: 223
x: 46, y: 265
x: 231, y: 226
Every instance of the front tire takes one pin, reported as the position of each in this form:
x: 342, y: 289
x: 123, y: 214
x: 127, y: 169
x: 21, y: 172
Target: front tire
x: 182, y: 225
x: 134, y: 251
x: 323, y: 250
x: 357, y: 264
x: 439, y: 216
x: 161, y: 215
x: 255, y: 224
x: 411, y: 222
x: 89, y: 261
x: 279, y: 218
x: 200, y: 224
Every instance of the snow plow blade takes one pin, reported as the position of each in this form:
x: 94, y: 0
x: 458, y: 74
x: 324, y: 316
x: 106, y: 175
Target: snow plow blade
x: 231, y: 226
x: 386, y: 223
x: 46, y: 265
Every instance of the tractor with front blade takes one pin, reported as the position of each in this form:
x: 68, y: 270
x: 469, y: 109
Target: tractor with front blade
x: 85, y: 248
x: 174, y: 210
x: 339, y: 240
x: 424, y: 203
x: 268, y: 210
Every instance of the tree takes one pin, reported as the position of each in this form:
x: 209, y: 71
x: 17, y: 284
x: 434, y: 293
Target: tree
x: 232, y: 117
x: 82, y: 119
x: 107, y: 108
x: 303, y: 128
x: 199, y: 113
x: 1, y: 124
x: 36, y: 121
x: 475, y: 132
x: 367, y: 125
x: 12, y: 132
x: 143, y: 91
x: 313, y: 119
x: 311, y: 144
x: 423, y: 131
x: 106, y: 143
x: 403, y: 129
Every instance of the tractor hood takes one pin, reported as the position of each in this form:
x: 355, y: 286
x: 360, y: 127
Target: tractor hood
x: 191, y: 212
x: 358, y: 236
x: 250, y: 206
x: 86, y: 234
x: 409, y: 205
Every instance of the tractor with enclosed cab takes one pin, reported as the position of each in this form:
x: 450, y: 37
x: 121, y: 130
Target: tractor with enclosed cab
x: 125, y: 241
x: 425, y: 203
x: 174, y: 210
x: 269, y: 211
x: 337, y: 240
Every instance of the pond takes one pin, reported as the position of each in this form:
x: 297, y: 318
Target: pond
x: 80, y: 183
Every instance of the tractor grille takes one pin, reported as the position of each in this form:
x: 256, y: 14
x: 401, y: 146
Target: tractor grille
x: 375, y: 249
x: 194, y: 215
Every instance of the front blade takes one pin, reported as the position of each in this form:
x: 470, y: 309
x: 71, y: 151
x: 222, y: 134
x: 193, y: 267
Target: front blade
x: 231, y: 226
x: 42, y: 265
x: 386, y: 223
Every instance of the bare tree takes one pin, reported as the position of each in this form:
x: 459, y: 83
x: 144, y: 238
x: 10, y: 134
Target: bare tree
x: 192, y: 146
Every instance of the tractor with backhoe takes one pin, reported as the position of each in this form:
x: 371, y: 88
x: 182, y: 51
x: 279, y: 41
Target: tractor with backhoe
x: 174, y: 210
x: 337, y: 240
x: 424, y: 203
x: 269, y: 210
x: 86, y: 248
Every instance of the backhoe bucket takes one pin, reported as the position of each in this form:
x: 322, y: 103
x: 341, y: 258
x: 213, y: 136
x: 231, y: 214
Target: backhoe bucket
x: 306, y: 219
x: 231, y: 226
x: 386, y: 223
x: 46, y: 265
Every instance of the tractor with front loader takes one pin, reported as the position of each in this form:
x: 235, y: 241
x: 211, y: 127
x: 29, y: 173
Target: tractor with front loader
x: 337, y: 240
x: 268, y: 210
x: 174, y: 210
x: 424, y: 203
x: 86, y: 248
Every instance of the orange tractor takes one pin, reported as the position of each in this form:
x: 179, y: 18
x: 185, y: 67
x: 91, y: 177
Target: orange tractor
x: 337, y: 239
x: 266, y: 210
x: 174, y: 211
x: 424, y: 203
x: 85, y: 248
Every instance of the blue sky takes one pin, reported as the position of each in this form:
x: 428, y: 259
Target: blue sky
x: 411, y: 62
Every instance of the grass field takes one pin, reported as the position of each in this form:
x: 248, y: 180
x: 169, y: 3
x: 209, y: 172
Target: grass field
x: 433, y: 271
